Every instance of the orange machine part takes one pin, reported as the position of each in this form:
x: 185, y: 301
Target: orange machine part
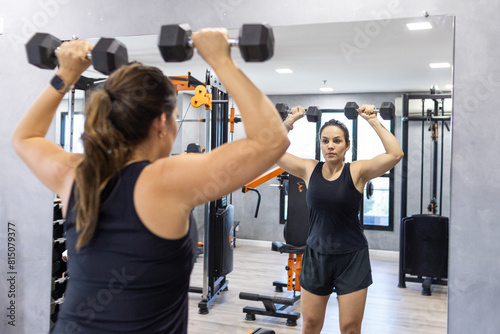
x: 231, y: 121
x: 294, y: 269
x: 201, y: 97
x: 263, y: 178
x: 181, y: 84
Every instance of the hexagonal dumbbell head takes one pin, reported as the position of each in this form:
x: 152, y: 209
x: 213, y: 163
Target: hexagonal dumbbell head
x: 369, y: 190
x: 174, y: 42
x: 256, y: 42
x: 283, y: 110
x: 40, y: 50
x: 313, y: 114
x: 351, y: 110
x: 387, y: 110
x: 109, y: 54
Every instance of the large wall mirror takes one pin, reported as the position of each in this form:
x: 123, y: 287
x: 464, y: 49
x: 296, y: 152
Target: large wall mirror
x: 332, y: 63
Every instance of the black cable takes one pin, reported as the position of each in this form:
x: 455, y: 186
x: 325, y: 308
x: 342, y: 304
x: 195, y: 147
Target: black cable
x: 422, y: 161
x: 182, y: 121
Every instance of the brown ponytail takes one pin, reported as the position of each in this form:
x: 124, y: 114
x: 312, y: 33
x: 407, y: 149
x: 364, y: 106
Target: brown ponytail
x: 117, y: 118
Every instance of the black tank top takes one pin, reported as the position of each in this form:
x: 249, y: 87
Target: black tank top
x: 333, y: 213
x: 126, y: 280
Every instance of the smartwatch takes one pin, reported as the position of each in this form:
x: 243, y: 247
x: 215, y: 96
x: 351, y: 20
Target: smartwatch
x: 60, y: 85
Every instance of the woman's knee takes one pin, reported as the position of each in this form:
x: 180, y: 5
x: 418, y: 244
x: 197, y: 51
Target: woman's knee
x: 312, y: 325
x: 350, y: 327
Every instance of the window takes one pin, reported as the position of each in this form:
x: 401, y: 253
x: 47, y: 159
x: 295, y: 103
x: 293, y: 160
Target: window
x: 376, y: 211
x: 68, y: 130
x: 78, y: 122
x: 376, y: 208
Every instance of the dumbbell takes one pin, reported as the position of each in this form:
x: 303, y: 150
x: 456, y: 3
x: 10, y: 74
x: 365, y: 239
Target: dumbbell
x: 58, y: 284
x: 59, y: 245
x: 386, y: 110
x: 313, y: 113
x: 54, y: 303
x: 256, y: 42
x: 283, y: 110
x: 107, y: 55
x: 369, y: 190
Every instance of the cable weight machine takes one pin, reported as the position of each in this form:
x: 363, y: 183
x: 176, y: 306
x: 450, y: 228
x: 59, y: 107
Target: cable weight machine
x: 219, y: 215
x: 424, y: 236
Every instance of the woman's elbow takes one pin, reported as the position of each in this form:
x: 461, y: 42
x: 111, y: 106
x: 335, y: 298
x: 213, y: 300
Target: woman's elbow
x: 16, y: 143
x: 283, y: 146
x: 279, y: 142
x: 399, y: 156
x: 277, y: 149
x: 19, y: 143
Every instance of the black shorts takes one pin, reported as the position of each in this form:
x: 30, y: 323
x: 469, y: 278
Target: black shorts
x: 346, y: 273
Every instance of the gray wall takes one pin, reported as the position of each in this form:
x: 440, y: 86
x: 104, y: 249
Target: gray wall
x: 474, y: 264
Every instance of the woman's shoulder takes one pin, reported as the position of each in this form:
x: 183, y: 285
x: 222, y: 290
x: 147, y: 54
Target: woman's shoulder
x: 314, y: 166
x: 354, y: 169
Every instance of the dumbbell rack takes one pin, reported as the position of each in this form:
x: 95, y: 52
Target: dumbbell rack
x: 59, y: 275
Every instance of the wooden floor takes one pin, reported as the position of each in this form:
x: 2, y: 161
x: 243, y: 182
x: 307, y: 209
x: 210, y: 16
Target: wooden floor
x: 389, y: 309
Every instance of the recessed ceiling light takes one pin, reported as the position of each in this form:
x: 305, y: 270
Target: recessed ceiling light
x: 283, y: 70
x: 439, y: 65
x: 326, y: 89
x: 419, y: 26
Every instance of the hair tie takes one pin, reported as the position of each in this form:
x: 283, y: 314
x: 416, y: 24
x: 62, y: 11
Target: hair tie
x: 110, y: 95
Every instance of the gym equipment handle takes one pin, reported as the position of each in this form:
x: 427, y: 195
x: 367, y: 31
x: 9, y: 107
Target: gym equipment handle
x: 257, y: 297
x: 232, y: 42
x: 258, y: 201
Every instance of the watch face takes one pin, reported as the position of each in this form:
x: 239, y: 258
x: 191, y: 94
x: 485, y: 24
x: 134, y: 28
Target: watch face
x: 56, y: 82
x: 60, y: 85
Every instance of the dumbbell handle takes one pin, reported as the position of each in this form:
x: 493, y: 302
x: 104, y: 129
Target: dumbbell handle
x: 289, y: 111
x: 59, y: 240
x: 305, y: 112
x: 89, y: 55
x: 376, y: 110
x: 386, y: 110
x: 232, y: 42
x: 61, y: 280
x: 59, y: 221
x: 58, y: 301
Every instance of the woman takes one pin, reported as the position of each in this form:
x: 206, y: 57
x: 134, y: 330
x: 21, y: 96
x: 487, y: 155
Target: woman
x: 127, y: 203
x: 336, y: 255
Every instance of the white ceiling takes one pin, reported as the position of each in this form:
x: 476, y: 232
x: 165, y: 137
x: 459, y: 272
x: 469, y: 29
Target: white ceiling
x: 354, y: 57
